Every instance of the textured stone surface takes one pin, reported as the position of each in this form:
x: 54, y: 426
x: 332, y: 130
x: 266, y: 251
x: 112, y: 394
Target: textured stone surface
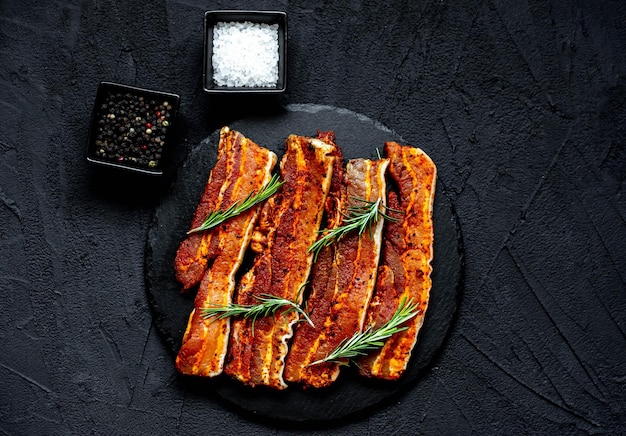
x: 522, y: 105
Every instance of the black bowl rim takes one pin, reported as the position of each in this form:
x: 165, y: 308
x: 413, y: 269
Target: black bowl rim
x: 237, y: 15
x: 105, y: 86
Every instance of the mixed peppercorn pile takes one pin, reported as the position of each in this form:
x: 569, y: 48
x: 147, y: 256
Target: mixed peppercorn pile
x: 131, y: 129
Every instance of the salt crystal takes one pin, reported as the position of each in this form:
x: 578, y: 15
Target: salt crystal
x: 245, y: 54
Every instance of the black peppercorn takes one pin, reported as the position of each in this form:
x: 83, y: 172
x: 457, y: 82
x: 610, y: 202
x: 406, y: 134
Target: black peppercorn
x: 129, y: 126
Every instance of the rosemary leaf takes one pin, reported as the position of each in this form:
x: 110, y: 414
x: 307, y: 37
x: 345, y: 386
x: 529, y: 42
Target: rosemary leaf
x: 370, y: 339
x: 268, y: 305
x: 359, y: 218
x: 217, y: 217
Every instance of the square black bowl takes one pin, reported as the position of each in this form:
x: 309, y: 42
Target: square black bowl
x: 131, y: 128
x: 211, y: 18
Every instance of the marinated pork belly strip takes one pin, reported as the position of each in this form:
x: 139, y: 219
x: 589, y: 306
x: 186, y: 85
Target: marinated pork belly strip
x: 288, y: 225
x: 342, y: 283
x: 323, y: 273
x: 243, y: 167
x: 407, y: 253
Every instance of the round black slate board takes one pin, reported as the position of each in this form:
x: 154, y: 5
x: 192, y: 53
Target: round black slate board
x: 358, y: 136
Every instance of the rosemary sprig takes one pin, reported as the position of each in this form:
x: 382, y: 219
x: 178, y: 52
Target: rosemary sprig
x: 217, y: 217
x: 370, y: 339
x: 268, y: 305
x: 359, y: 218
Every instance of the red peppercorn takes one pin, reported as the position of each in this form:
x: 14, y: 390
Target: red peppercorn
x: 149, y: 125
x: 144, y: 147
x: 158, y: 113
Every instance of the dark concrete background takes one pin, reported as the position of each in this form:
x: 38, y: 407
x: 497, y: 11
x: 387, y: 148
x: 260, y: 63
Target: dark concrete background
x: 521, y: 104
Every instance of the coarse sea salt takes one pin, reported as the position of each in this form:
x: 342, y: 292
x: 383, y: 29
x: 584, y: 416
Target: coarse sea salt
x: 245, y: 54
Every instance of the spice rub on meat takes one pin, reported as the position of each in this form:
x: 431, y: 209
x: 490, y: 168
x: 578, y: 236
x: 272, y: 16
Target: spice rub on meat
x: 287, y: 227
x: 213, y: 257
x: 342, y: 281
x: 406, y: 260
